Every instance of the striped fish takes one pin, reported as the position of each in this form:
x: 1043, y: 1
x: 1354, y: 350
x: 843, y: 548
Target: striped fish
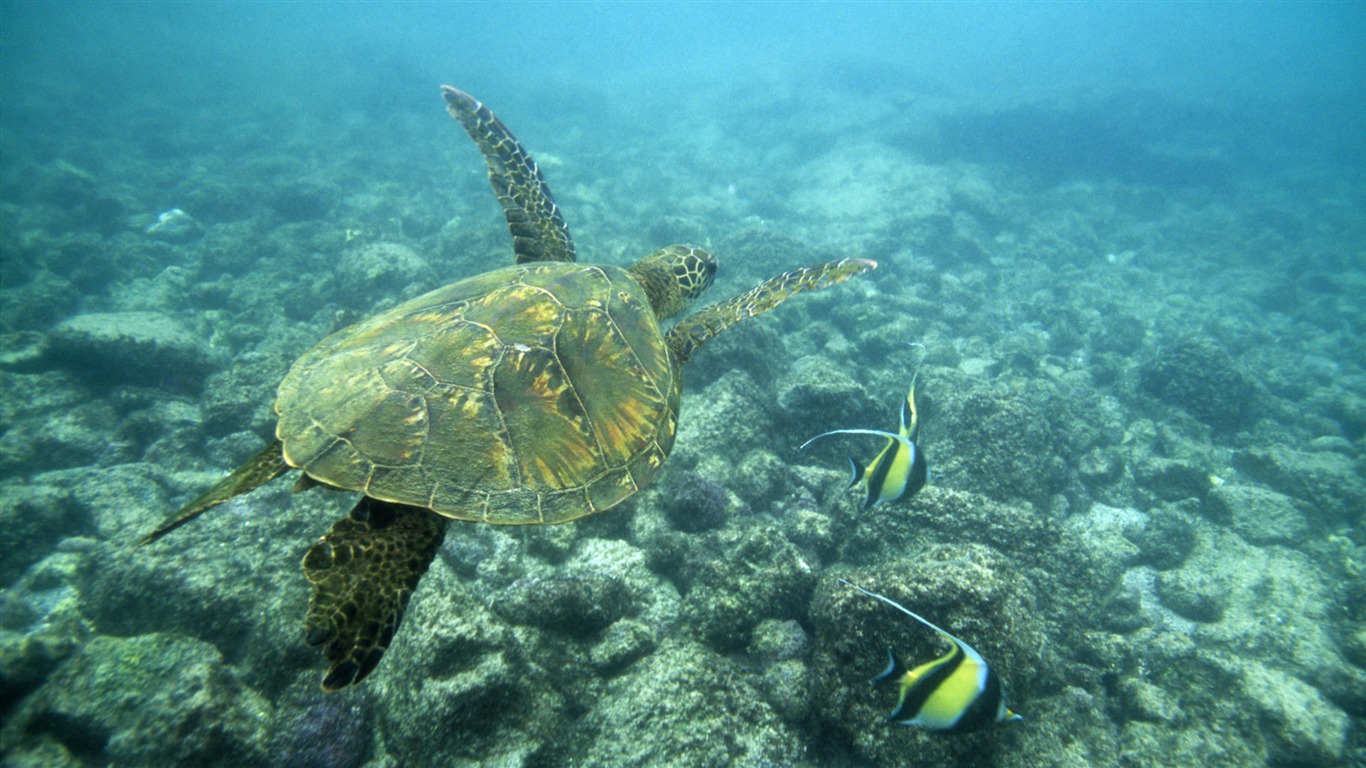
x: 956, y: 693
x: 900, y: 469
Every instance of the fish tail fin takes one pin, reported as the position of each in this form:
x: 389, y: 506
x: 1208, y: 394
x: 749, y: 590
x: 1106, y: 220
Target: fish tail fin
x: 895, y: 669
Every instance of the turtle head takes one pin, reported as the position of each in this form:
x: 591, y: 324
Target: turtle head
x: 674, y: 276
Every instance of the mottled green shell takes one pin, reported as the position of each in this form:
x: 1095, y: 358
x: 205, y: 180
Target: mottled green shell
x: 532, y: 394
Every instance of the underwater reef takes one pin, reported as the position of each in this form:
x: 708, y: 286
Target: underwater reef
x: 1144, y: 409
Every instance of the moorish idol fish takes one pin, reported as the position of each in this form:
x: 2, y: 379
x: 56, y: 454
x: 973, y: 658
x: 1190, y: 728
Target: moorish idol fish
x: 956, y: 693
x: 900, y: 468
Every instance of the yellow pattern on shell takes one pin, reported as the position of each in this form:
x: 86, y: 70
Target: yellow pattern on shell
x: 530, y: 394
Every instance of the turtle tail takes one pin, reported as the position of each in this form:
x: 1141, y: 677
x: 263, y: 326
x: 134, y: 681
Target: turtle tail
x: 695, y: 329
x: 258, y: 470
x: 363, y: 572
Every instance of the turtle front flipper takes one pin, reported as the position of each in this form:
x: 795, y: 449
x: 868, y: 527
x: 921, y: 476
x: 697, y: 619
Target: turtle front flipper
x: 538, y: 230
x: 363, y: 572
x: 259, y: 469
x: 693, y: 331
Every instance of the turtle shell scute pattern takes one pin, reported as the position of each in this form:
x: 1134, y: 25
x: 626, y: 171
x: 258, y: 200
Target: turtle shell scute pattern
x: 532, y: 394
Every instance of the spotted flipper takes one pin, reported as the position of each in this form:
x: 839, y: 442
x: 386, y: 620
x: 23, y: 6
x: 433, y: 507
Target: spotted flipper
x: 694, y: 330
x: 363, y: 572
x: 259, y: 469
x: 538, y: 230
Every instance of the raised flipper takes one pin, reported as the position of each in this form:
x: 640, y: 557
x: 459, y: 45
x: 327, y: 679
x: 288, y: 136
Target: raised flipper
x: 259, y: 469
x: 694, y: 330
x: 363, y: 572
x: 538, y: 230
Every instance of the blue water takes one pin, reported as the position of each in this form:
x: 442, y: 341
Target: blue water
x: 1128, y: 237
x: 1259, y: 73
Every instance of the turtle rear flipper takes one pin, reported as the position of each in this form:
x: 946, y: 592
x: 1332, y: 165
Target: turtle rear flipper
x: 363, y: 572
x: 693, y: 331
x: 258, y: 470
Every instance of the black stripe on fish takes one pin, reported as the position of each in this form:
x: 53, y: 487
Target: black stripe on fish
x: 985, y: 707
x: 914, y: 697
x: 879, y: 469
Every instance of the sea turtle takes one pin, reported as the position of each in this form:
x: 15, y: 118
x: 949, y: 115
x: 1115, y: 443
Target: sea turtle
x: 532, y: 394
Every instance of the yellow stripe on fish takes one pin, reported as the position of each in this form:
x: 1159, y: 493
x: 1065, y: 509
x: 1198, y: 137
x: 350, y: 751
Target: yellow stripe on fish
x: 956, y: 693
x: 900, y: 469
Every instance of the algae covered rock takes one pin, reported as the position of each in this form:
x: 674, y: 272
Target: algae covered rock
x: 41, y: 624
x: 1109, y: 532
x: 35, y: 517
x: 774, y: 640
x: 116, y: 500
x: 786, y: 686
x: 1257, y: 514
x: 244, y: 605
x: 821, y: 395
x: 1192, y: 594
x: 302, y: 199
x: 158, y: 699
x: 75, y: 433
x: 1259, y: 680
x: 939, y: 513
x: 22, y: 351
x: 314, y: 729
x: 728, y: 417
x: 999, y: 443
x: 1331, y: 482
x: 1149, y: 702
x: 692, y: 503
x: 458, y: 682
x: 761, y: 476
x: 1167, y: 539
x: 1171, y: 479
x: 684, y: 706
x: 622, y: 643
x: 1296, y: 723
x: 1199, y: 377
x: 129, y: 348
x: 577, y: 605
x: 640, y: 593
x: 738, y: 578
x: 369, y: 270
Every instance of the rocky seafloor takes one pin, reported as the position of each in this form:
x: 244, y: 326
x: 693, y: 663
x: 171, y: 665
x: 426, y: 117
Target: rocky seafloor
x: 1144, y: 406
